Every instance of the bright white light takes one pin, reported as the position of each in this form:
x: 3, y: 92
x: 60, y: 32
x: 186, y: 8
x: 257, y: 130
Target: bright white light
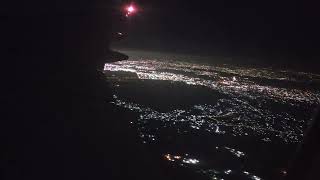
x: 234, y: 78
x: 130, y: 9
x: 256, y: 178
x: 190, y: 161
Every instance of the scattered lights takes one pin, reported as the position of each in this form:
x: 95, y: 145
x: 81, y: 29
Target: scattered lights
x: 235, y: 152
x: 235, y: 115
x: 218, y: 131
x: 185, y: 160
x: 169, y: 157
x: 244, y: 107
x: 190, y: 161
x: 241, y: 85
x: 215, y: 174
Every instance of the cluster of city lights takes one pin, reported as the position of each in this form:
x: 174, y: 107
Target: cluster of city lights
x: 234, y: 81
x: 245, y: 107
x: 221, y: 175
x: 180, y: 159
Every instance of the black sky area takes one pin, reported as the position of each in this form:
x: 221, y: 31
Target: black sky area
x: 285, y: 30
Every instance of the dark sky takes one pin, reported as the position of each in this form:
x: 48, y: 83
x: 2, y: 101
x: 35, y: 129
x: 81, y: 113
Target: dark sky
x: 242, y: 28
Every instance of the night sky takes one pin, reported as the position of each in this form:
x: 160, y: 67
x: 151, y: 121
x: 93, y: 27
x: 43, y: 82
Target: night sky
x: 270, y: 30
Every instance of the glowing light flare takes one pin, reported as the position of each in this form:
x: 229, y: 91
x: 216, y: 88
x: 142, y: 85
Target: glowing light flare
x: 130, y: 9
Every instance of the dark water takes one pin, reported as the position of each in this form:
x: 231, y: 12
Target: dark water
x: 215, y: 121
